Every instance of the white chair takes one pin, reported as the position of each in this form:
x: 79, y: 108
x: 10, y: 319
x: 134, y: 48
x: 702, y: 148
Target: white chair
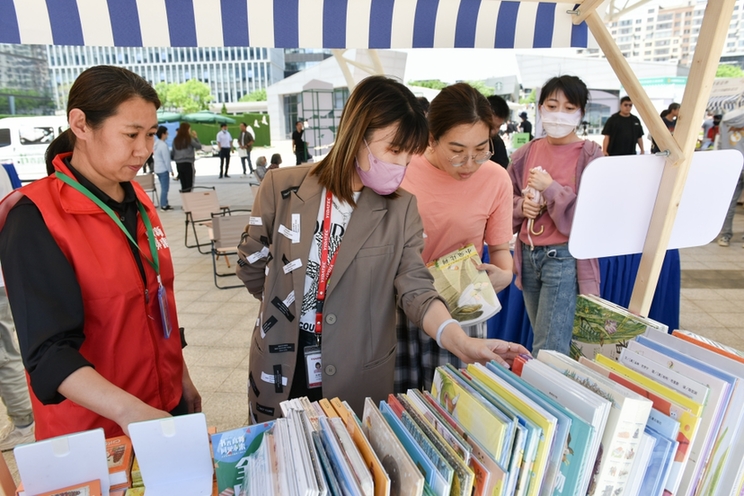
x: 147, y: 181
x: 226, y: 233
x: 200, y: 205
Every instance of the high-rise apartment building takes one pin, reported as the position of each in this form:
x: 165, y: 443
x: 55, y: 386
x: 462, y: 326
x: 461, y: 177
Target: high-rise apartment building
x: 24, y: 80
x: 230, y: 72
x: 669, y: 33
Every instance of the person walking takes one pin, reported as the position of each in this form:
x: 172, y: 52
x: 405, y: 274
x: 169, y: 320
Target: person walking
x: 546, y: 174
x: 623, y: 131
x: 185, y: 145
x: 355, y: 244
x: 245, y: 145
x: 163, y: 169
x: 298, y: 143
x: 224, y: 141
x: 96, y: 321
x: 525, y: 126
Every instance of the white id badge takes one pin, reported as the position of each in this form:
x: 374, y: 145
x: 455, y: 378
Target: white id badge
x: 314, y: 367
x: 164, y: 314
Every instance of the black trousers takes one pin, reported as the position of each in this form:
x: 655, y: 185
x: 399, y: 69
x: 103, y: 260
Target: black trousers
x: 224, y: 159
x: 185, y: 175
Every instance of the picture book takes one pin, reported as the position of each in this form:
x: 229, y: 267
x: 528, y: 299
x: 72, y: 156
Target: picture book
x: 467, y: 291
x: 574, y: 455
x: 625, y: 423
x: 450, y: 435
x: 660, y: 464
x: 463, y: 476
x: 490, y: 477
x: 478, y: 417
x: 119, y: 457
x: 339, y: 461
x: 601, y: 327
x: 660, y: 396
x: 380, y: 478
x: 640, y: 464
x: 333, y: 488
x: 405, y: 478
x: 727, y: 456
x: 92, y: 488
x: 231, y: 449
x: 687, y: 380
x: 589, y: 406
x: 529, y: 409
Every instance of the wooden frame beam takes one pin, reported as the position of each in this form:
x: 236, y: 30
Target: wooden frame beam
x: 702, y: 72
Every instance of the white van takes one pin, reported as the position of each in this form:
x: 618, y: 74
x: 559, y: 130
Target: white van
x: 24, y: 140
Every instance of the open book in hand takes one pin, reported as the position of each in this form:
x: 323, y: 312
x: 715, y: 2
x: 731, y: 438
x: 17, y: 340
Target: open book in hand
x: 467, y: 291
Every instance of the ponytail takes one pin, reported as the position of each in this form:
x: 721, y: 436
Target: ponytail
x: 64, y: 143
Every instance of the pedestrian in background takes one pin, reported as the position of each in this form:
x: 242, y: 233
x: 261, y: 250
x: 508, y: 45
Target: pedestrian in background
x: 185, y: 145
x: 299, y: 147
x: 245, y: 145
x: 162, y: 157
x: 623, y: 131
x: 500, y: 115
x: 224, y: 141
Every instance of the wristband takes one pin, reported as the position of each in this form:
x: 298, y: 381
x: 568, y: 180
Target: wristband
x: 441, y: 330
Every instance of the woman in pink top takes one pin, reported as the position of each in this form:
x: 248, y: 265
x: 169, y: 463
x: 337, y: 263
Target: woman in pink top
x: 463, y: 198
x: 546, y: 174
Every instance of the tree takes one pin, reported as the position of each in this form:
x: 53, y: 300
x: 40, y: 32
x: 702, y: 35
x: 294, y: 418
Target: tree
x: 434, y: 84
x: 726, y: 70
x: 254, y: 96
x: 481, y: 87
x: 530, y: 98
x: 191, y: 96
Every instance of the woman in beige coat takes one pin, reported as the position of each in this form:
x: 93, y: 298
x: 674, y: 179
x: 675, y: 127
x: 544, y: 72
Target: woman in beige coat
x: 331, y: 250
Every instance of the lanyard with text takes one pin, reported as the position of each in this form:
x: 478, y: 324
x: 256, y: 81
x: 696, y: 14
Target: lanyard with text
x: 154, y: 263
x: 326, y: 267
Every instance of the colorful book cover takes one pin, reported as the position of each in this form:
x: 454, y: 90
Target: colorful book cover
x: 687, y: 420
x: 231, y: 450
x: 471, y: 413
x: 603, y: 328
x: 440, y: 425
x: 574, y: 454
x: 339, y: 461
x: 467, y: 291
x: 119, y: 456
x: 463, y: 476
x: 625, y: 423
x: 660, y: 464
x: 727, y: 457
x: 490, y: 477
x: 92, y: 488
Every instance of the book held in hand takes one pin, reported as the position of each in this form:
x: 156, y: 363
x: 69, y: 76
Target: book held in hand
x: 468, y: 291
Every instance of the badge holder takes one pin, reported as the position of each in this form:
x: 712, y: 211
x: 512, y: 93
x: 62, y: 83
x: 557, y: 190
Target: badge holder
x: 163, y: 305
x: 313, y: 366
x: 174, y: 455
x: 63, y: 461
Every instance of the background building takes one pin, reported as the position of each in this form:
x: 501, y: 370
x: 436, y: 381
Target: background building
x: 24, y: 80
x: 230, y: 72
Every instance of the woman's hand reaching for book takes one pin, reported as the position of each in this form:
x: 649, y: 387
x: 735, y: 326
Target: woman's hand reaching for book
x: 472, y: 350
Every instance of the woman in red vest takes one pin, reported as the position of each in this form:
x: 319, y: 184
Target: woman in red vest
x: 88, y: 270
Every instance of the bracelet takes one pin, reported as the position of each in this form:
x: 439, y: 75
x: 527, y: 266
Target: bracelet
x: 441, y: 330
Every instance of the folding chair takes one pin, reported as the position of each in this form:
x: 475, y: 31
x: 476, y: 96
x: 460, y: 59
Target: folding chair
x: 226, y: 233
x: 200, y: 206
x: 147, y: 181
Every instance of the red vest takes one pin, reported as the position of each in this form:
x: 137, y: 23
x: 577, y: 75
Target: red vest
x: 124, y: 337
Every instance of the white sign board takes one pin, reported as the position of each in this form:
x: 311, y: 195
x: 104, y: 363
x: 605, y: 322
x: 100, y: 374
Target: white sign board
x: 617, y: 196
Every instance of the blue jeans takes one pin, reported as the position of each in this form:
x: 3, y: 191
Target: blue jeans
x: 550, y: 287
x: 164, y: 185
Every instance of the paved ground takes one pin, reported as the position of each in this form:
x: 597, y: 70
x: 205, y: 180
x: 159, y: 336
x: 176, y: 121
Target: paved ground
x: 219, y: 322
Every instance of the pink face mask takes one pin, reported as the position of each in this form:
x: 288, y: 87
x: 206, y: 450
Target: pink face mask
x: 382, y: 177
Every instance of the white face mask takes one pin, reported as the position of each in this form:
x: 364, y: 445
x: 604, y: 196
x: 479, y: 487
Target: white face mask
x: 559, y: 124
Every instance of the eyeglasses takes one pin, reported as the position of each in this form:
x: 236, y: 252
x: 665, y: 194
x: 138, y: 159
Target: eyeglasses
x: 461, y: 159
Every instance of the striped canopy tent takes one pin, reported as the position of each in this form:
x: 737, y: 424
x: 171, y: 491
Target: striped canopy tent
x: 726, y: 94
x: 399, y: 24
x: 365, y: 24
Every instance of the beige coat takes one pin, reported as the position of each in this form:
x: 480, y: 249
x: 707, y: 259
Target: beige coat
x: 378, y: 266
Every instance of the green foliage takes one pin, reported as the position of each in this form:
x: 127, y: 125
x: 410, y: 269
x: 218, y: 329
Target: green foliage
x: 191, y: 96
x: 434, y: 84
x: 726, y: 70
x: 481, y: 87
x: 530, y: 98
x: 223, y: 111
x: 254, y: 96
x: 257, y: 121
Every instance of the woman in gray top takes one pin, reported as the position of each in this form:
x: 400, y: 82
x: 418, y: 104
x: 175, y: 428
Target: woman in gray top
x: 184, y: 147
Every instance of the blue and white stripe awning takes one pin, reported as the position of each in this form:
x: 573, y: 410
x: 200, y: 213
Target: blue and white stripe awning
x: 293, y: 23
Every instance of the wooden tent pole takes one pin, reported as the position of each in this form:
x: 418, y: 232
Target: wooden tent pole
x: 585, y: 10
x: 702, y: 72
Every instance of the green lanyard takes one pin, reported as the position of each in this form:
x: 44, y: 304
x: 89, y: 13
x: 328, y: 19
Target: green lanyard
x: 155, y: 262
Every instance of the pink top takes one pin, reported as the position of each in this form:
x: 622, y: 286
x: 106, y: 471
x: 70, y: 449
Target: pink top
x: 560, y: 162
x: 457, y: 213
